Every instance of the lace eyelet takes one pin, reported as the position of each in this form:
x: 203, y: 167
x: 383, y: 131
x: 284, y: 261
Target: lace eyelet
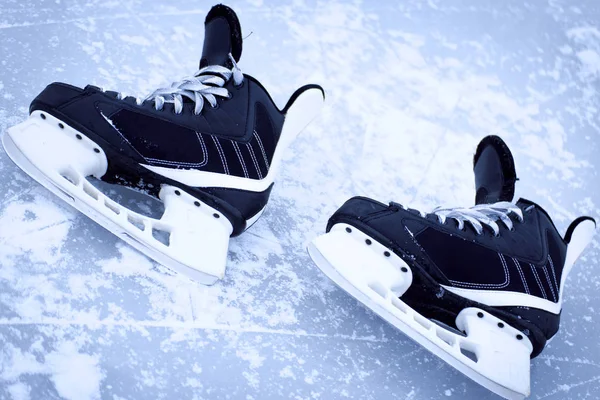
x: 229, y: 96
x: 240, y: 85
x: 216, y: 106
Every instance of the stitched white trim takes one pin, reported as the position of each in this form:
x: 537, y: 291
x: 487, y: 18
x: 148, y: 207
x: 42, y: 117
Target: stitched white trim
x: 175, y: 163
x: 488, y: 285
x: 539, y: 282
x: 262, y: 149
x: 522, y: 275
x: 239, y: 154
x: 221, y: 154
x: 304, y: 109
x: 554, y: 275
x: 549, y: 283
x: 254, y: 160
x: 203, y: 145
x: 183, y: 163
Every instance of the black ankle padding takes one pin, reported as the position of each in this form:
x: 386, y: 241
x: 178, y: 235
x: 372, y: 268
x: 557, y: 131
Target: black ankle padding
x: 235, y: 30
x: 495, y: 174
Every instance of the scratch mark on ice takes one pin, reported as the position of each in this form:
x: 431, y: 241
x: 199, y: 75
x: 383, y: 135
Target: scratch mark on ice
x: 575, y: 361
x: 186, y: 325
x: 567, y: 387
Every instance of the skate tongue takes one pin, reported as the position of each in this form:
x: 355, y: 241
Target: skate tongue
x: 222, y: 36
x: 494, y: 169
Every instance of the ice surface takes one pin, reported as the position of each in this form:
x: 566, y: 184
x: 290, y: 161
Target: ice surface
x: 412, y: 86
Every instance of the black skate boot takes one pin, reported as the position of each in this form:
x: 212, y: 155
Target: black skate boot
x: 208, y: 146
x: 480, y: 287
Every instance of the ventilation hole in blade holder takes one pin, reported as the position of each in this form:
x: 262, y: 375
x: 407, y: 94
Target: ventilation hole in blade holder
x: 469, y: 354
x: 448, y: 328
x: 90, y: 190
x: 424, y: 322
x: 445, y: 336
x: 126, y: 195
x: 162, y: 236
x: 138, y: 223
x: 396, y: 302
x: 379, y: 289
x: 71, y: 177
x: 112, y: 207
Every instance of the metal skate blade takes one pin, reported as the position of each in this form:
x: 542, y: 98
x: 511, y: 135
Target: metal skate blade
x: 491, y: 356
x: 197, y: 235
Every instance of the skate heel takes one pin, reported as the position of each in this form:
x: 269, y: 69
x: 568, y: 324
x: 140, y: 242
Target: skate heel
x: 498, y: 352
x: 191, y: 237
x: 490, y: 351
x: 198, y: 234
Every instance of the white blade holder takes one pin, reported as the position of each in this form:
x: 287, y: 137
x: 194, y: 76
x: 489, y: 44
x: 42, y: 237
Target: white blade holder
x: 495, y: 357
x: 191, y: 237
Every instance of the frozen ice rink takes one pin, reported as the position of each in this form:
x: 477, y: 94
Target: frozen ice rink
x: 412, y: 86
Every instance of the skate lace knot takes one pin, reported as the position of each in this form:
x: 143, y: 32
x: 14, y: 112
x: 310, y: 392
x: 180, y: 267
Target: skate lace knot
x: 204, y: 85
x: 483, y: 214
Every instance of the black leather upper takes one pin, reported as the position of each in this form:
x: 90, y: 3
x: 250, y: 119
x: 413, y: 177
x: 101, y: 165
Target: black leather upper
x: 237, y: 138
x: 147, y: 135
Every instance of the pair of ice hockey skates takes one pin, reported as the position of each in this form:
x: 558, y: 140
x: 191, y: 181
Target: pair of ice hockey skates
x: 481, y: 287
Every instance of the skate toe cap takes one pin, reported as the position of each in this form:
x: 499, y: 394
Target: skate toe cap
x: 389, y: 223
x: 55, y: 95
x: 357, y: 208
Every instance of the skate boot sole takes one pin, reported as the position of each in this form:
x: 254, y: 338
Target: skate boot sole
x: 492, y: 353
x: 191, y: 237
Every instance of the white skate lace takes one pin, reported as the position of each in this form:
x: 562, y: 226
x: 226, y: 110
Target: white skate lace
x: 206, y: 84
x: 483, y: 214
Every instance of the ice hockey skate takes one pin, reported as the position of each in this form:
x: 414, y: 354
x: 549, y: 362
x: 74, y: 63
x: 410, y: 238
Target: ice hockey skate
x: 481, y: 287
x: 208, y: 146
